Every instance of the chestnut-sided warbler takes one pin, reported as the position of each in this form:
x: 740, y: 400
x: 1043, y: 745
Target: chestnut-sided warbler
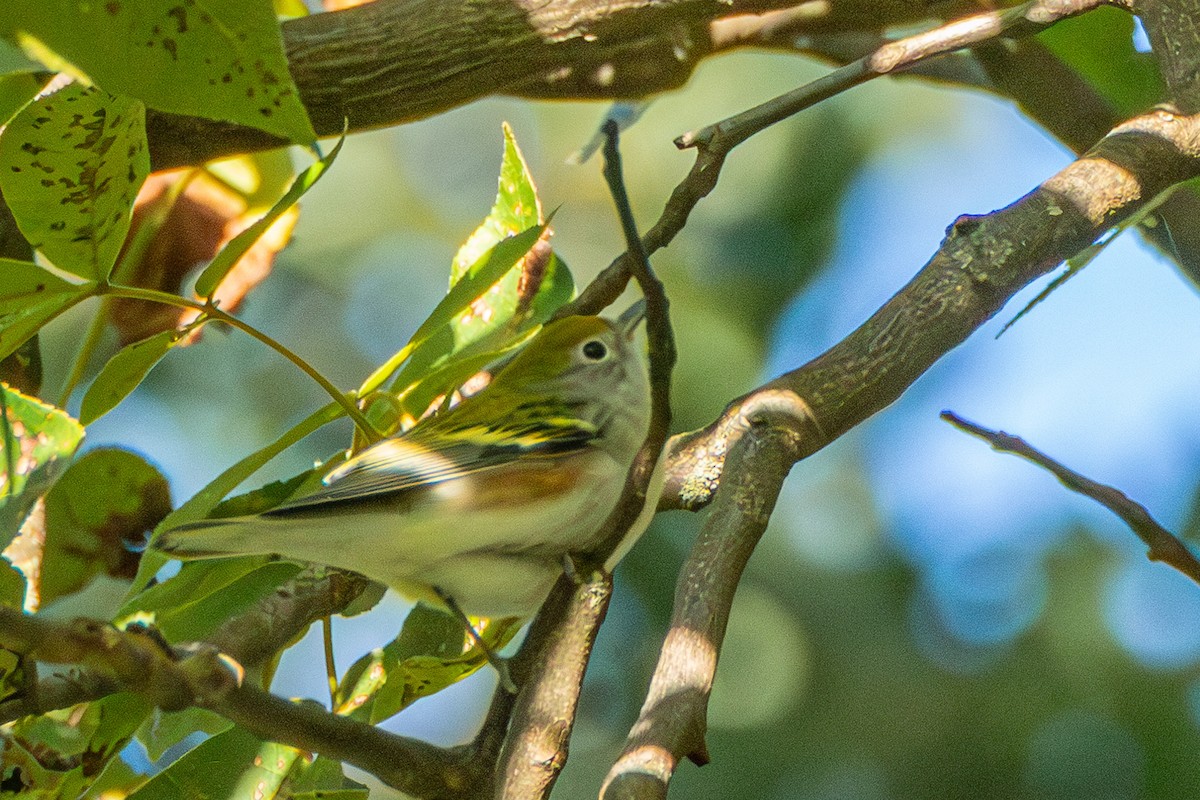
x: 480, y: 504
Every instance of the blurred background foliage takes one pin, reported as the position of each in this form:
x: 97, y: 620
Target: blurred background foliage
x: 924, y: 618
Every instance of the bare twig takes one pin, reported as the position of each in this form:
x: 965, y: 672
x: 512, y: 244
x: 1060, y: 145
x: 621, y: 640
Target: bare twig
x: 1163, y: 545
x: 892, y: 57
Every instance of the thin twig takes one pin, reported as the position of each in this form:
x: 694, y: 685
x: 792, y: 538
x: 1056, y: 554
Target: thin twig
x: 1163, y: 545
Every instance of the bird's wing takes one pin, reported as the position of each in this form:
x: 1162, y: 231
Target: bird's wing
x: 410, y: 462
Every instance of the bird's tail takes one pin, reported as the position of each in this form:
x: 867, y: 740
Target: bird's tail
x: 212, y: 538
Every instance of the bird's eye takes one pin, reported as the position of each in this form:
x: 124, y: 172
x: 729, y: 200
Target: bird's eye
x: 595, y: 350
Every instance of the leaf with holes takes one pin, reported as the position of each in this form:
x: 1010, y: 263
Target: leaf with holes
x: 71, y: 164
x: 220, y: 59
x: 97, y: 517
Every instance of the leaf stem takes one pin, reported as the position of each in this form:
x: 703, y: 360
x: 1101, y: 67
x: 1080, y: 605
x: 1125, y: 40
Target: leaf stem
x: 343, y: 399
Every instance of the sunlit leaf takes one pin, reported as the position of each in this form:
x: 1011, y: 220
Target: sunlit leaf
x: 221, y: 59
x: 425, y: 658
x: 97, y: 515
x: 37, y: 440
x: 71, y: 164
x: 457, y: 302
x: 122, y: 374
x: 290, y: 9
x: 516, y: 209
x: 208, y: 281
x: 501, y: 316
x: 29, y: 298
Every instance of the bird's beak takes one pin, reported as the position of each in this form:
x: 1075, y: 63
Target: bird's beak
x: 628, y: 322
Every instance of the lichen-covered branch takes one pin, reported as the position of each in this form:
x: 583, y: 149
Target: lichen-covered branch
x: 983, y: 261
x: 981, y: 264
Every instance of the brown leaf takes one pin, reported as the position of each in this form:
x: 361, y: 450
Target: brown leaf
x: 183, y: 227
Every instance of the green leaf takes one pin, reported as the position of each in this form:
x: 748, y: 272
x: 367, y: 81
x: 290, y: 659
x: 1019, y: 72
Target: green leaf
x: 457, y: 302
x: 212, y: 770
x: 162, y: 730
x: 12, y: 585
x: 204, y: 594
x: 220, y: 59
x: 96, y: 515
x: 425, y: 658
x: 29, y: 298
x: 323, y: 779
x: 122, y: 374
x: 225, y: 260
x: 472, y: 342
x: 17, y: 89
x: 60, y: 754
x: 1099, y: 46
x: 38, y: 440
x: 71, y: 164
x: 502, y: 316
x: 516, y: 209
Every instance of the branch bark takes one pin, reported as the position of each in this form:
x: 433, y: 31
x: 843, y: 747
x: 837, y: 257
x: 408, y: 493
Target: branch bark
x: 395, y: 61
x: 982, y: 263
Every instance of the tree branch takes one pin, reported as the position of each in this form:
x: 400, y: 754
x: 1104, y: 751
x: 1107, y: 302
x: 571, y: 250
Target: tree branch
x: 981, y: 264
x: 770, y: 431
x: 395, y: 61
x: 1163, y: 545
x: 983, y: 261
x: 1173, y: 27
